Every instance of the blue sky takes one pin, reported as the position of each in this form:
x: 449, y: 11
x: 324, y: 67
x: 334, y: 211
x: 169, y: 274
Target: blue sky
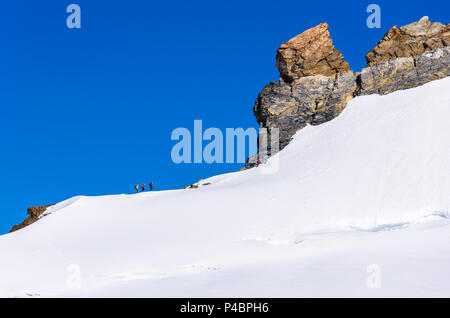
x: 90, y: 111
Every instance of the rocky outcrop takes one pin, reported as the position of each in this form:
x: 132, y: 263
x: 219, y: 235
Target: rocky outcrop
x: 34, y: 213
x: 405, y: 72
x: 410, y: 40
x: 310, y: 53
x: 307, y: 100
x: 407, y: 57
x: 314, y: 87
x: 315, y: 82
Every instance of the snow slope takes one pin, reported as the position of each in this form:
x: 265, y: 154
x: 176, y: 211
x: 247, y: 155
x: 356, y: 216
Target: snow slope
x: 364, y: 198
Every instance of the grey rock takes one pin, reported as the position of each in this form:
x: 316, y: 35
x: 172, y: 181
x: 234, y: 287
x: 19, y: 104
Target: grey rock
x: 307, y: 100
x: 405, y: 72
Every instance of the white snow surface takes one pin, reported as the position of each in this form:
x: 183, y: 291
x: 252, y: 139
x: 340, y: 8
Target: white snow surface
x: 359, y: 207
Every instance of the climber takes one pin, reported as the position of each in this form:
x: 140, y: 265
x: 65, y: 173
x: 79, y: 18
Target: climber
x: 356, y: 92
x: 258, y: 162
x: 143, y: 187
x: 136, y: 187
x: 151, y: 186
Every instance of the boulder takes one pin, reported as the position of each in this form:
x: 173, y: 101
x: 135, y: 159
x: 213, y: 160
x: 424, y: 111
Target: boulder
x: 310, y: 53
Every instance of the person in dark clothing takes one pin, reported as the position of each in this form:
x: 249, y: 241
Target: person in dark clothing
x: 143, y: 187
x: 151, y: 186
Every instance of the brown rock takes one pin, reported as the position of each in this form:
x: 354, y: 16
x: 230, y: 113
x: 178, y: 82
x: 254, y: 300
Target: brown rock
x: 410, y: 40
x: 34, y: 212
x: 310, y: 53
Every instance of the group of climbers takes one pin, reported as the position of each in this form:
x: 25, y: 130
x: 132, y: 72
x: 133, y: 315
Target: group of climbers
x: 142, y: 186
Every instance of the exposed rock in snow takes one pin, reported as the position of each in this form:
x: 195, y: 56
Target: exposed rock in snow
x: 34, y: 213
x: 410, y: 40
x: 405, y: 72
x: 307, y: 100
x: 315, y: 84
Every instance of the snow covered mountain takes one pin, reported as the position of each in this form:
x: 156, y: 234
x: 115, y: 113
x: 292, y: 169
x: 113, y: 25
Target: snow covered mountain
x: 359, y: 207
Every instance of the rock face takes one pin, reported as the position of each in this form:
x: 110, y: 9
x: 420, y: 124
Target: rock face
x: 316, y: 83
x: 410, y: 40
x: 307, y: 100
x: 405, y: 72
x: 34, y: 213
x: 314, y: 87
x: 310, y: 53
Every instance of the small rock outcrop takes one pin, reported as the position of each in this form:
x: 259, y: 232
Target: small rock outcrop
x: 410, y: 40
x: 316, y: 84
x: 310, y: 53
x: 405, y: 72
x: 407, y: 57
x: 34, y: 213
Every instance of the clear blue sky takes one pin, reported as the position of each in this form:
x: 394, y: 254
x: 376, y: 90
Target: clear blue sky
x: 90, y: 111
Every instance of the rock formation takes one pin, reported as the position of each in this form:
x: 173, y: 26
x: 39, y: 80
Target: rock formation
x: 314, y: 87
x: 407, y: 57
x: 316, y: 84
x: 307, y: 100
x: 310, y: 53
x: 34, y: 213
x: 410, y: 40
x: 405, y: 72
